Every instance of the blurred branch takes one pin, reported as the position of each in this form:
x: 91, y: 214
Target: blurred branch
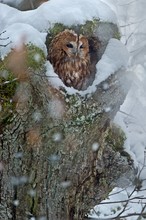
x: 127, y: 200
x: 5, y: 45
x: 132, y: 23
x: 7, y: 82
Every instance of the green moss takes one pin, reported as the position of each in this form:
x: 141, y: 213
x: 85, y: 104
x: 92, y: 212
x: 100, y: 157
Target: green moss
x: 87, y: 29
x: 52, y: 32
x: 8, y: 84
x: 117, y: 35
x: 58, y: 27
x: 35, y: 57
x: 116, y: 138
x: 7, y: 89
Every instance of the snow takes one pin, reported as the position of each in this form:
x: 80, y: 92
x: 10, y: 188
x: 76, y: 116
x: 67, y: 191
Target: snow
x: 132, y: 113
x: 19, y: 33
x: 131, y: 116
x: 66, y: 12
x: 108, y: 209
x: 55, y: 108
x: 95, y: 146
x: 31, y: 27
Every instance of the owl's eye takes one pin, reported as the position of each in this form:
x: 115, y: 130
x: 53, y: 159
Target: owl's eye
x: 81, y: 47
x: 69, y: 45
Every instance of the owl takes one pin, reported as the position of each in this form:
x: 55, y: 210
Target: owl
x: 69, y: 54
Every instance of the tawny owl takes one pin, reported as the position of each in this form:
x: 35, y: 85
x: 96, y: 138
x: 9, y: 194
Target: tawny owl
x: 69, y: 55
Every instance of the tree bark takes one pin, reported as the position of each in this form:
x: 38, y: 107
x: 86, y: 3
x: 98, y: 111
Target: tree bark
x: 49, y: 165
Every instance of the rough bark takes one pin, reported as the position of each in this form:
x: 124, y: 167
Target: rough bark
x: 49, y: 165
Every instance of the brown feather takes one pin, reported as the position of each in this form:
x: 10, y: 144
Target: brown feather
x: 73, y: 68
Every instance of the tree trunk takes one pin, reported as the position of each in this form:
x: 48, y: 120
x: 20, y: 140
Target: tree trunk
x: 56, y: 158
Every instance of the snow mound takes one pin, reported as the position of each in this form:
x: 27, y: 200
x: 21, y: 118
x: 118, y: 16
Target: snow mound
x: 67, y: 12
x: 17, y: 33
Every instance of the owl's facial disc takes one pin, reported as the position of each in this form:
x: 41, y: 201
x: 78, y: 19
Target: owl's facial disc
x: 75, y: 49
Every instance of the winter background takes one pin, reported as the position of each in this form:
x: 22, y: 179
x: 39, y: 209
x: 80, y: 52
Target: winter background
x: 31, y: 26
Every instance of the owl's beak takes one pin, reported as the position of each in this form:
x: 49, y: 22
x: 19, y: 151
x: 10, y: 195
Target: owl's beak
x: 75, y: 52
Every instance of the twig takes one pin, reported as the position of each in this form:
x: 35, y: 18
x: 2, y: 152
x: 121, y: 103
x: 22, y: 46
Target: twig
x: 127, y: 200
x: 120, y: 217
x: 5, y: 44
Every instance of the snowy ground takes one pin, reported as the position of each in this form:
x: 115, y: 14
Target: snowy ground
x: 31, y: 26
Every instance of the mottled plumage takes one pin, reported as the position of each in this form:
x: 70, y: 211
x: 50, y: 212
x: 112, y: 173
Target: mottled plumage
x: 69, y: 55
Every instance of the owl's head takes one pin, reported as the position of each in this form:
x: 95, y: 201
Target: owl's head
x: 75, y: 46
